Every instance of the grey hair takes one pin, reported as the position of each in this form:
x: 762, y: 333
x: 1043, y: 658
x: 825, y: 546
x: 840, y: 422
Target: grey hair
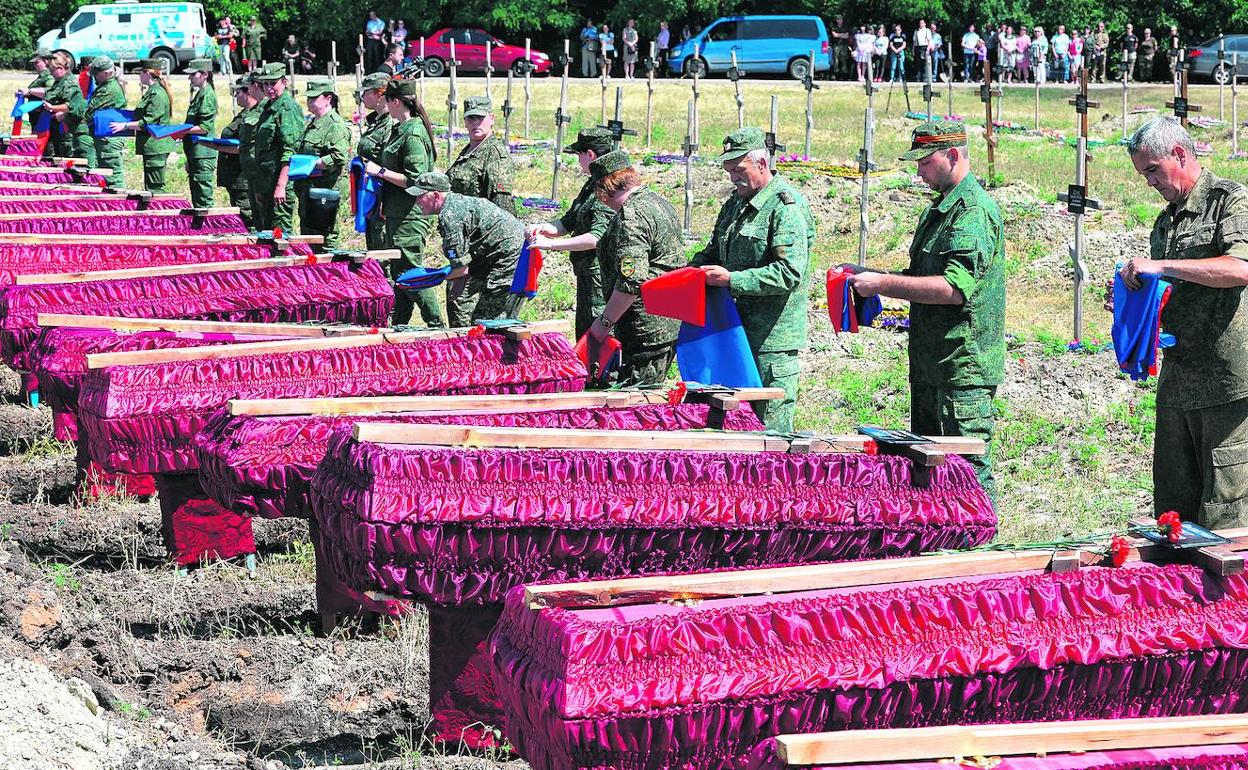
x: 1159, y: 136
x: 758, y: 156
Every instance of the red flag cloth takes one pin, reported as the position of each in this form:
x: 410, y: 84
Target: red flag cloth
x: 841, y: 320
x: 600, y: 358
x: 677, y: 294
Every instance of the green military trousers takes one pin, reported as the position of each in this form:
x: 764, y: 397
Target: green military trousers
x: 1200, y: 464
x: 940, y: 411
x: 154, y: 172
x: 779, y: 369
x: 408, y: 236
x: 201, y: 174
x: 589, y: 300
x: 108, y: 155
x: 268, y: 213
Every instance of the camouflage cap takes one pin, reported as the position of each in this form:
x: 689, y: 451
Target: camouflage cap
x: 403, y: 89
x: 595, y: 138
x: 101, y: 64
x: 430, y: 181
x: 242, y: 83
x: 935, y: 135
x: 478, y: 106
x: 374, y: 81
x: 199, y: 65
x: 152, y: 64
x: 270, y: 73
x: 42, y: 53
x: 318, y: 87
x: 613, y: 161
x: 741, y: 142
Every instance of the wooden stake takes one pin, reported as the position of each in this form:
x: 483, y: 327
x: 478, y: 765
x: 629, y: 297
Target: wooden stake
x: 333, y: 59
x: 1076, y: 197
x: 528, y: 83
x: 866, y: 164
x: 871, y: 746
x: 818, y: 577
x: 690, y: 150
x: 809, y: 83
x: 1222, y: 83
x: 489, y: 70
x: 130, y: 325
x: 562, y: 119
x: 734, y: 74
x: 927, y: 82
x: 420, y: 76
x: 452, y: 105
x: 604, y: 75
x: 616, y: 125
x: 507, y: 109
x: 651, y: 66
x: 770, y: 138
x: 1235, y: 103
x: 985, y: 96
x: 1181, y: 106
x: 1126, y: 86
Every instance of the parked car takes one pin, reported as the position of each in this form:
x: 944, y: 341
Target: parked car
x: 171, y: 32
x: 1204, y: 59
x: 764, y: 45
x: 470, y: 51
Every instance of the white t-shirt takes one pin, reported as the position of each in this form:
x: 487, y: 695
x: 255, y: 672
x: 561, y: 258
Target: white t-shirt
x: 969, y: 41
x: 922, y: 38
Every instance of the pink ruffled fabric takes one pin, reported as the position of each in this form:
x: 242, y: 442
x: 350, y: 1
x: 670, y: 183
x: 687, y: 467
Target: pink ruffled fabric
x: 33, y: 259
x: 52, y: 177
x: 1231, y: 757
x: 658, y: 686
x: 24, y: 162
x: 195, y: 528
x: 8, y: 190
x: 329, y: 293
x: 465, y: 526
x: 131, y: 224
x: 23, y: 145
x: 141, y: 419
x: 261, y: 465
x: 35, y: 205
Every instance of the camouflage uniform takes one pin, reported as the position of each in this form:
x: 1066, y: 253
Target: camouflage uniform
x: 764, y: 242
x: 42, y: 80
x: 957, y: 352
x: 587, y: 214
x: 409, y: 152
x: 155, y: 109
x: 1200, y: 450
x: 487, y: 239
x: 201, y: 160
x: 70, y: 137
x: 230, y: 167
x: 107, y: 150
x: 329, y: 138
x: 253, y: 36
x: 278, y: 128
x: 374, y: 134
x: 484, y: 171
x: 642, y: 241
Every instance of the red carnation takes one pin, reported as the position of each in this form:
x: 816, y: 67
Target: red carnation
x: 476, y: 331
x: 1119, y: 550
x: 869, y: 447
x: 677, y: 394
x: 1170, y: 525
x: 374, y: 330
x: 311, y: 259
x: 277, y: 233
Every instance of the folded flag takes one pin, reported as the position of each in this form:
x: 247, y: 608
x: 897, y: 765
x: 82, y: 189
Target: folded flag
x: 847, y: 309
x: 216, y: 141
x: 600, y: 358
x: 528, y: 267
x: 365, y: 192
x: 174, y: 131
x: 1137, y: 325
x: 679, y: 294
x: 423, y: 277
x: 23, y: 107
x: 303, y: 167
x: 102, y: 121
x: 717, y: 351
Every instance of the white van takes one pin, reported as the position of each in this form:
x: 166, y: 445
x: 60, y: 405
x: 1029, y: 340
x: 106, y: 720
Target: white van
x: 174, y: 32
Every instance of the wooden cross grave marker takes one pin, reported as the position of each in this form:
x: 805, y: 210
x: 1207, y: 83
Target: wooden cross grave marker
x: 1181, y: 106
x: 987, y: 90
x: 769, y: 139
x: 866, y: 164
x: 616, y: 124
x: 562, y: 119
x: 735, y: 74
x: 1076, y: 197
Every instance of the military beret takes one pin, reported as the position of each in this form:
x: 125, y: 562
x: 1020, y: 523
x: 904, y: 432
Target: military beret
x: 477, y: 106
x: 374, y: 81
x: 152, y: 64
x: 199, y: 65
x: 403, y: 89
x: 270, y: 73
x: 317, y: 87
x: 430, y: 181
x: 42, y: 53
x: 608, y: 164
x: 741, y: 142
x: 101, y: 64
x: 935, y: 135
x: 595, y: 138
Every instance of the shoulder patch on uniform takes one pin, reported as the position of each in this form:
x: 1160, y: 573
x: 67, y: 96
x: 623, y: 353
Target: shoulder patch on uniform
x: 786, y: 197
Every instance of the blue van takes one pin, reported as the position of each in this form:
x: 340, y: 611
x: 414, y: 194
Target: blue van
x: 764, y: 45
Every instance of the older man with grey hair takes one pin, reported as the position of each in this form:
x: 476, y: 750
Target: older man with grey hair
x: 1199, y: 244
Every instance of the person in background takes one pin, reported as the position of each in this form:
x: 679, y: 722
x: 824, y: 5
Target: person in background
x: 662, y: 42
x: 1008, y: 52
x: 1173, y: 52
x: 393, y: 61
x: 1061, y: 54
x: 253, y: 39
x: 630, y: 39
x: 938, y: 54
x: 483, y: 168
x: 1076, y: 54
x: 1022, y: 66
x: 290, y: 54
x: 922, y: 38
x: 589, y: 49
x: 201, y: 113
x: 841, y: 35
x: 970, y: 39
x: 1100, y: 52
x: 225, y: 34
x: 399, y: 33
x: 374, y: 42
x: 1131, y: 45
x: 606, y: 48
x: 307, y: 58
x: 1039, y: 55
x: 877, y: 53
x: 981, y: 56
x: 864, y: 48
x: 896, y: 55
x: 1148, y: 50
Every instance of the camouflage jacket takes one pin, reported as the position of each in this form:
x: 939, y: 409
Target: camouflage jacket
x: 377, y: 129
x: 277, y: 132
x: 485, y: 171
x: 201, y: 112
x: 409, y: 152
x: 587, y: 214
x: 328, y: 138
x: 106, y: 96
x: 66, y: 91
x: 480, y: 235
x: 229, y: 166
x: 643, y: 240
x: 154, y: 109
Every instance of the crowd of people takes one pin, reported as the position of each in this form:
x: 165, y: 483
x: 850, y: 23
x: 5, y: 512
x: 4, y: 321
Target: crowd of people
x: 1015, y: 54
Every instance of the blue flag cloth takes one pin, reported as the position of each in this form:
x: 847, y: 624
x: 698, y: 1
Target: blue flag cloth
x: 175, y: 131
x: 528, y: 267
x: 102, y: 119
x: 1137, y: 325
x: 423, y: 277
x: 365, y: 192
x: 718, y: 352
x: 303, y: 167
x: 216, y: 141
x: 44, y: 124
x: 24, y: 106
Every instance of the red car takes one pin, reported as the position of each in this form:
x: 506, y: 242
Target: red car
x: 470, y: 50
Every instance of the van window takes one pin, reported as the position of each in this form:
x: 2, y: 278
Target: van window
x: 82, y: 21
x: 765, y: 29
x: 722, y: 32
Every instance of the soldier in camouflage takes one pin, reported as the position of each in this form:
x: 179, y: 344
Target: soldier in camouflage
x: 328, y: 137
x: 108, y: 95
x: 481, y: 241
x: 201, y: 113
x: 63, y: 99
x: 1199, y: 244
x: 642, y: 241
x: 760, y: 251
x: 155, y: 108
x: 43, y: 75
x: 956, y: 288
x: 229, y: 165
x: 278, y: 128
x: 580, y: 228
x: 484, y: 168
x: 375, y: 132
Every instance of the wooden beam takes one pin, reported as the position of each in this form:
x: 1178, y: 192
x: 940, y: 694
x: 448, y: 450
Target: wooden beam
x: 9, y: 184
x: 818, y: 577
x: 168, y: 270
x: 154, y: 240
x: 140, y: 357
x: 119, y: 324
x: 113, y: 214
x: 461, y: 404
x: 562, y: 438
x: 101, y: 196
x: 870, y: 746
x: 77, y: 170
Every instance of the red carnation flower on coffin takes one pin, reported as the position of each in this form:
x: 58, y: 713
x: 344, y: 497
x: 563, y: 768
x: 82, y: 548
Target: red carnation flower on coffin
x: 869, y: 447
x: 277, y: 233
x: 1119, y: 550
x: 476, y: 331
x: 677, y: 394
x: 1170, y: 525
